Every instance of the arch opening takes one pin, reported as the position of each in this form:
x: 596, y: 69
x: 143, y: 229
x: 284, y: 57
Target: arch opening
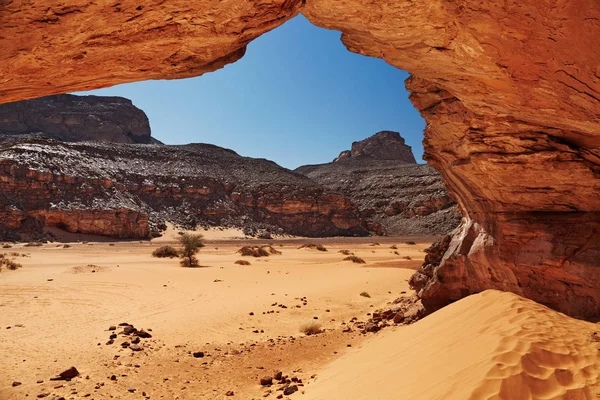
x: 511, y: 103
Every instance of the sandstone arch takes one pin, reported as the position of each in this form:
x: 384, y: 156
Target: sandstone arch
x: 510, y: 92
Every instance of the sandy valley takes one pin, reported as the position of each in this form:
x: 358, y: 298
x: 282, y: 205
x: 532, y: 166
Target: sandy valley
x: 56, y: 312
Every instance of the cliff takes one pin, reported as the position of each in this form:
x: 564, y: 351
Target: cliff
x: 394, y: 195
x: 73, y: 118
x: 129, y: 191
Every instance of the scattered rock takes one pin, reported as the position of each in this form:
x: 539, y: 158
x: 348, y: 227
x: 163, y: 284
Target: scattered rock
x: 66, y: 375
x: 15, y: 383
x: 290, y: 390
x: 198, y: 354
x: 266, y: 381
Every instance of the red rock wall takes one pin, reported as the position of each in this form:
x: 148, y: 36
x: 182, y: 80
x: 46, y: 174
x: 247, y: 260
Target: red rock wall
x: 510, y: 92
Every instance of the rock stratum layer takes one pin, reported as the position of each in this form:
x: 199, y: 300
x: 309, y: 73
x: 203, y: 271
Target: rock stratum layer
x: 394, y: 195
x: 510, y: 92
x: 130, y: 191
x: 77, y: 118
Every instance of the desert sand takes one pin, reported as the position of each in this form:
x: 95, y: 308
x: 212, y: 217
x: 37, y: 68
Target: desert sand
x: 56, y: 312
x: 492, y: 345
x: 61, y: 303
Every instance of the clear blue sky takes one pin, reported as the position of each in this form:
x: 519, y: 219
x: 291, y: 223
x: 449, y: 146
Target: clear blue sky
x: 297, y: 97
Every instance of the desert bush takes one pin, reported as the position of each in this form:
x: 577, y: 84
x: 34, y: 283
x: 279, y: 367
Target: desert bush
x: 374, y: 244
x: 365, y: 294
x: 316, y: 246
x: 355, y: 259
x: 10, y: 264
x: 407, y: 258
x: 394, y: 247
x: 66, y: 246
x: 32, y: 244
x: 165, y: 251
x: 258, y: 251
x: 346, y: 252
x: 6, y: 246
x: 311, y: 328
x: 242, y: 262
x: 411, y: 242
x: 191, y: 242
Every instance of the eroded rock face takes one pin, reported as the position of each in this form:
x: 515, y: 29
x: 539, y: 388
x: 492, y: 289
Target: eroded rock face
x: 384, y: 145
x: 510, y: 92
x: 393, y: 194
x: 77, y: 118
x: 129, y: 191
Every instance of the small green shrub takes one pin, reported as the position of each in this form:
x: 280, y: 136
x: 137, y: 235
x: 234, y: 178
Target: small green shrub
x: 191, y: 242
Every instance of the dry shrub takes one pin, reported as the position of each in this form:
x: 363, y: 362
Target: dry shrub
x: 407, y: 258
x: 6, y: 246
x: 311, y: 328
x: 394, y: 247
x: 66, y: 246
x: 258, y: 251
x: 365, y: 294
x: 165, y: 251
x: 242, y: 262
x: 10, y: 264
x: 374, y: 244
x: 33, y: 244
x: 316, y: 246
x: 346, y: 252
x: 355, y: 259
x: 411, y: 242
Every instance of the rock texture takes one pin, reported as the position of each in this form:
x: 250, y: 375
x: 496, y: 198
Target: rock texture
x: 510, y: 92
x: 394, y: 195
x: 77, y: 118
x: 384, y: 145
x: 129, y: 191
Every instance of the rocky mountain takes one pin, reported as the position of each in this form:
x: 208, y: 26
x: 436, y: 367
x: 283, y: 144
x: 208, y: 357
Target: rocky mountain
x: 395, y: 195
x: 73, y: 118
x: 384, y: 145
x: 131, y: 190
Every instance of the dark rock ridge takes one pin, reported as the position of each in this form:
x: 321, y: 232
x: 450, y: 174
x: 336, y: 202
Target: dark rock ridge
x: 130, y: 190
x: 73, y: 118
x: 395, y: 196
x: 384, y: 145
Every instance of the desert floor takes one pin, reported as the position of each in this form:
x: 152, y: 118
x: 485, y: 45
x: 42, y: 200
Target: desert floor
x: 56, y: 310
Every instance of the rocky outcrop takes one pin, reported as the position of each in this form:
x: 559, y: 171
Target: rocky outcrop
x: 384, y: 145
x: 510, y: 92
x: 394, y: 195
x: 130, y: 191
x: 73, y: 118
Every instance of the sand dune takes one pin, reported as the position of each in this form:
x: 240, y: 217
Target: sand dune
x: 492, y: 345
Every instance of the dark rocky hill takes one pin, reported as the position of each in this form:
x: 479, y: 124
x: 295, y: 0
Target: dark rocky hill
x: 130, y: 190
x: 73, y: 118
x: 394, y: 195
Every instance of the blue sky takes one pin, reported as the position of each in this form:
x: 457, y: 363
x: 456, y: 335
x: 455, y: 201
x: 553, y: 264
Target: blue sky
x: 297, y: 97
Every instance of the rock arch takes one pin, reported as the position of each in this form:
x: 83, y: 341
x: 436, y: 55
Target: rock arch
x: 510, y: 92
